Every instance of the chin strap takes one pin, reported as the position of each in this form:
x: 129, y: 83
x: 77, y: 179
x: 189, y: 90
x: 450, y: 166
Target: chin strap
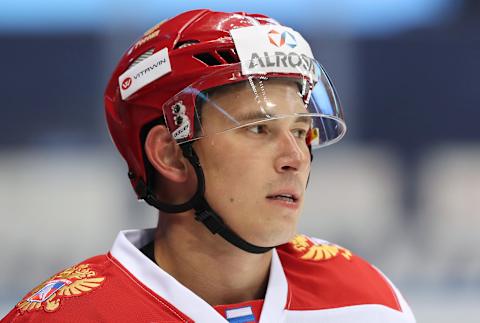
x: 203, y: 212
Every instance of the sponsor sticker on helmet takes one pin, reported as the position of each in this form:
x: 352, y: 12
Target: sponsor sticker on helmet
x: 273, y: 49
x: 181, y: 121
x: 126, y: 83
x: 144, y: 73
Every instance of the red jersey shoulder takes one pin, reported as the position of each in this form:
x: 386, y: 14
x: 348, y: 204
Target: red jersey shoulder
x: 324, y: 275
x: 76, y: 281
x: 97, y: 289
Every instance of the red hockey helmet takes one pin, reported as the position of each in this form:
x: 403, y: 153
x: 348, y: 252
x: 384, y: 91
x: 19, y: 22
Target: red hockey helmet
x: 168, y: 70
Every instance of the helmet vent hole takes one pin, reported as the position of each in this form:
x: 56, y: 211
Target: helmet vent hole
x: 208, y: 59
x: 185, y: 43
x: 229, y: 56
x: 140, y: 58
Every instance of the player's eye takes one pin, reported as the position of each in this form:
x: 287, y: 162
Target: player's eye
x: 258, y: 129
x: 300, y: 133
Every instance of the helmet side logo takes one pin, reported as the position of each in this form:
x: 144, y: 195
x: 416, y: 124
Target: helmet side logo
x: 144, y: 73
x: 181, y: 121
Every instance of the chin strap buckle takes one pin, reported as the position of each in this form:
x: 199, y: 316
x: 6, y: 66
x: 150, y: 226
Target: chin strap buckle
x: 212, y: 221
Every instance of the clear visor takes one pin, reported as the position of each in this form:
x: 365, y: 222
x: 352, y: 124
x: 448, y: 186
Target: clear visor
x: 232, y: 98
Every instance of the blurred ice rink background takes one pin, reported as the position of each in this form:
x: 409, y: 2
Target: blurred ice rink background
x: 402, y: 190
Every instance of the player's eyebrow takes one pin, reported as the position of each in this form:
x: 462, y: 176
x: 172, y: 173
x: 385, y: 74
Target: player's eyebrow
x: 304, y: 119
x: 257, y: 116
x: 253, y: 116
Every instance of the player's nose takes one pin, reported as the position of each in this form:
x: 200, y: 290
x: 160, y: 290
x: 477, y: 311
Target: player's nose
x: 292, y: 153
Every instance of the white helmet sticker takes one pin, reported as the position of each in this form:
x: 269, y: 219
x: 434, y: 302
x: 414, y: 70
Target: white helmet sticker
x: 144, y: 73
x: 181, y: 120
x: 273, y: 49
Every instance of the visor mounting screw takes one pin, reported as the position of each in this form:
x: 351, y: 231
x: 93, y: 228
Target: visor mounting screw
x: 131, y: 175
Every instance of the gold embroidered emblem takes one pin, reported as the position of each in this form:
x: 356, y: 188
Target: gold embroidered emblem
x: 73, y: 281
x: 317, y: 251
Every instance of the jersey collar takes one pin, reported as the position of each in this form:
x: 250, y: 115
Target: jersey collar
x: 126, y: 250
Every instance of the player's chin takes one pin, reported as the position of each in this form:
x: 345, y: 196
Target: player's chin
x: 273, y: 235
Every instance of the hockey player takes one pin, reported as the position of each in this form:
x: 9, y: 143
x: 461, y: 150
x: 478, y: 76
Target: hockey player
x: 216, y: 115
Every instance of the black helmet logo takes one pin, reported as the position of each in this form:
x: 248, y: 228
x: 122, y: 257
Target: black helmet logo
x: 181, y: 121
x: 178, y: 110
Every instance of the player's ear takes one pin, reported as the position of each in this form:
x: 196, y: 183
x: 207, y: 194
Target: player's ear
x: 165, y: 154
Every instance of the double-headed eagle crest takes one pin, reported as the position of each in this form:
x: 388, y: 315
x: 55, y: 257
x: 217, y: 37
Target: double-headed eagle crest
x: 313, y: 250
x: 73, y: 281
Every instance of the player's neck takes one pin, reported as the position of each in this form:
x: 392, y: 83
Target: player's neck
x: 215, y: 270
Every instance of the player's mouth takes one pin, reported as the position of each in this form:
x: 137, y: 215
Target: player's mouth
x: 286, y: 199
